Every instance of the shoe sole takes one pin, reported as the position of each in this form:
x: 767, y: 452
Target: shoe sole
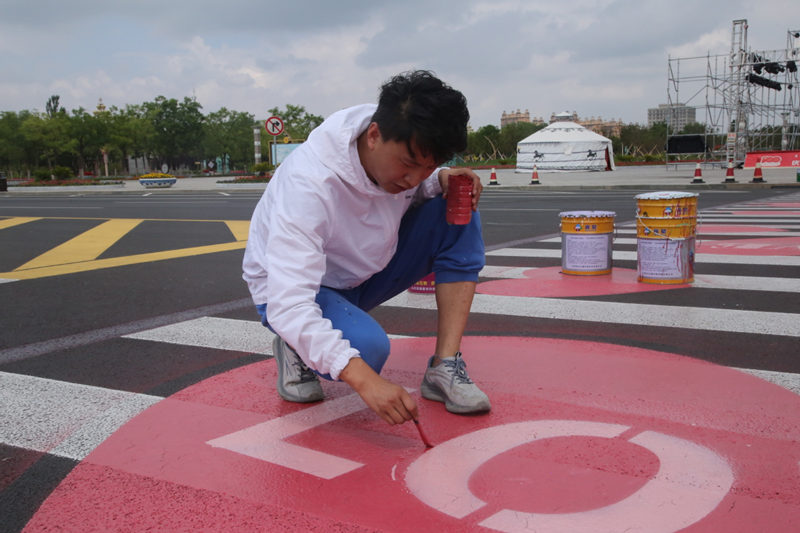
x: 277, y: 348
x: 434, y: 393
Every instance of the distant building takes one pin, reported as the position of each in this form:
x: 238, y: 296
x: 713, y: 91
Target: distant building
x: 676, y: 116
x: 518, y: 116
x: 101, y: 107
x: 607, y: 128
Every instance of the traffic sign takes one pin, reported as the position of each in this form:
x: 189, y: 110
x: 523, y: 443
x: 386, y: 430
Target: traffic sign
x: 274, y: 126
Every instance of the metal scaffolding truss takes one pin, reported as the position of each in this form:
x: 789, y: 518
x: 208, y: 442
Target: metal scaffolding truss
x: 748, y: 100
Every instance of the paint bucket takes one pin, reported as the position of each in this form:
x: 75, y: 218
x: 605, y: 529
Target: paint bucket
x: 666, y: 228
x: 586, y: 238
x: 459, y: 200
x: 666, y: 204
x: 425, y: 285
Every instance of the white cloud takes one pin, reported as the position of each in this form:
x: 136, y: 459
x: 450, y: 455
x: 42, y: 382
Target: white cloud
x: 716, y: 42
x: 598, y: 57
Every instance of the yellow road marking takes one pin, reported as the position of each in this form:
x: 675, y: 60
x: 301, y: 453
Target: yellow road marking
x: 16, y: 221
x: 80, y: 253
x: 57, y: 270
x: 239, y: 228
x: 86, y: 246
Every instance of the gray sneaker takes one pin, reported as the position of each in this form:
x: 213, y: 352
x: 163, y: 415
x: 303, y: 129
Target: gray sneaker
x: 296, y: 382
x: 449, y: 383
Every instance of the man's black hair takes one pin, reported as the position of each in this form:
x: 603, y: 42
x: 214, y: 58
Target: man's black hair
x: 417, y: 106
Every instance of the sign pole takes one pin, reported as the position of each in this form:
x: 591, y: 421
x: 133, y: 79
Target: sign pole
x: 274, y: 126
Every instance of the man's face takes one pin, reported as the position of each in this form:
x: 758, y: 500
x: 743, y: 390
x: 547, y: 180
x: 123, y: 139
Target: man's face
x: 392, y: 166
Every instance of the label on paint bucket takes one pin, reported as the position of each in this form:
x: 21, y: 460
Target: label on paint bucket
x: 666, y: 260
x: 586, y: 238
x: 586, y: 253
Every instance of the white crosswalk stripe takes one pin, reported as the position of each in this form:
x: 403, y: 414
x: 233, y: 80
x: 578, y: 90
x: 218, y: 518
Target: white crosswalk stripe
x: 64, y: 419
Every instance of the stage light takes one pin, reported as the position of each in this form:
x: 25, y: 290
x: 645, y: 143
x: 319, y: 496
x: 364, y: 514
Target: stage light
x: 791, y: 66
x: 774, y: 68
x: 764, y: 82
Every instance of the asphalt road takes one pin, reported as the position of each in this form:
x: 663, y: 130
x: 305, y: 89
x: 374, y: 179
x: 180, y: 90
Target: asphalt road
x: 82, y: 276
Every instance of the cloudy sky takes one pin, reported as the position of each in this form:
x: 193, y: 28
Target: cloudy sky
x: 604, y: 58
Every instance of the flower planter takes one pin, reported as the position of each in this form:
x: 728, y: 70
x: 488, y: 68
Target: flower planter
x: 153, y: 183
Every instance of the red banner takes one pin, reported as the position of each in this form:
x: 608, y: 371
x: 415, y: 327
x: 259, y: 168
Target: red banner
x: 773, y: 159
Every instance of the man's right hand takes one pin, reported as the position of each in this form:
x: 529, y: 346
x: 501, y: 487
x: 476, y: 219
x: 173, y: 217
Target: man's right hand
x: 390, y: 401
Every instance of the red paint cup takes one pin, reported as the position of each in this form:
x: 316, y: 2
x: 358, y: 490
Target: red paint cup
x: 459, y: 200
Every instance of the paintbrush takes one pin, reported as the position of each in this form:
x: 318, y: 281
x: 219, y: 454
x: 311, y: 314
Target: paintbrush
x: 422, y: 435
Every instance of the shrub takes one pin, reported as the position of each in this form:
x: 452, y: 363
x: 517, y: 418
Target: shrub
x: 262, y: 167
x: 63, y: 173
x: 41, y: 174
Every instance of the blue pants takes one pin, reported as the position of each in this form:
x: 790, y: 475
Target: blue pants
x: 426, y: 244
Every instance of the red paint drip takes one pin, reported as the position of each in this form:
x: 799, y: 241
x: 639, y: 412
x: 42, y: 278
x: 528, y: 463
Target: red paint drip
x: 422, y: 435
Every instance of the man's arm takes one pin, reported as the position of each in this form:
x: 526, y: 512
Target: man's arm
x: 390, y: 401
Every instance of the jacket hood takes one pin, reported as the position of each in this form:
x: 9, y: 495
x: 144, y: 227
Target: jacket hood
x: 334, y: 144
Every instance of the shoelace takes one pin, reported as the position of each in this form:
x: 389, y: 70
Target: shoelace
x: 458, y: 369
x: 306, y: 374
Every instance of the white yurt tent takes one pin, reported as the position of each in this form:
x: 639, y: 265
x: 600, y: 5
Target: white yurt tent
x: 565, y: 145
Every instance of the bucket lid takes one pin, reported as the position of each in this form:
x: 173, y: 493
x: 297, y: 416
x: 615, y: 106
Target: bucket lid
x: 587, y: 214
x: 665, y: 195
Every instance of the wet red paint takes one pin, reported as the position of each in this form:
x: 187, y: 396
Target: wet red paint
x: 734, y: 228
x: 550, y: 282
x: 422, y: 435
x: 756, y: 246
x: 157, y: 472
x: 779, y: 204
x: 766, y: 213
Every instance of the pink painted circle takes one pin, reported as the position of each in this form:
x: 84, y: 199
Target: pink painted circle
x: 550, y: 282
x: 755, y: 246
x: 228, y: 454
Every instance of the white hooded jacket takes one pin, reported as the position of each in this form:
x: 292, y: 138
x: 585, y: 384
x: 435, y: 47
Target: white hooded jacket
x: 322, y: 222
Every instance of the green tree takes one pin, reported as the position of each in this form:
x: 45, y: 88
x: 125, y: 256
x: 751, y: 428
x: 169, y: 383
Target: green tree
x: 694, y: 128
x: 177, y: 130
x: 229, y: 133
x: 639, y: 141
x: 483, y: 143
x: 52, y: 106
x: 49, y: 139
x: 297, y: 122
x: 511, y: 134
x: 13, y: 153
x: 89, y: 134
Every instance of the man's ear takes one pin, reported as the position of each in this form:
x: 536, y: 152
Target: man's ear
x: 373, y: 135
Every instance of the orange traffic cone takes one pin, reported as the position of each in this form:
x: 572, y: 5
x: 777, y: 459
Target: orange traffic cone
x: 698, y: 175
x: 535, y: 176
x: 493, y: 178
x: 729, y: 173
x: 758, y: 177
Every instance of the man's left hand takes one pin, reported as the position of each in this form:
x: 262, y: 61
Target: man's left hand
x: 477, y: 187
